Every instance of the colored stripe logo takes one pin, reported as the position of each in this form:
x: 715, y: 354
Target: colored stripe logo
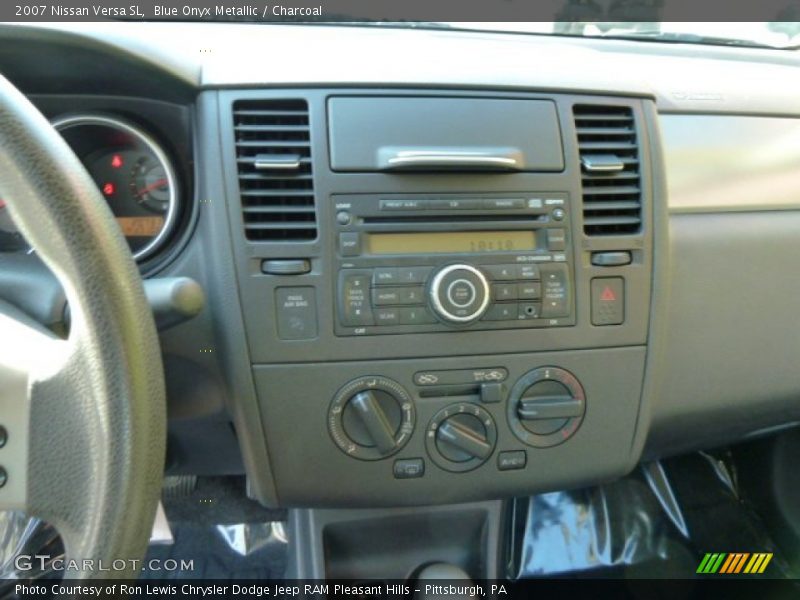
x: 734, y: 562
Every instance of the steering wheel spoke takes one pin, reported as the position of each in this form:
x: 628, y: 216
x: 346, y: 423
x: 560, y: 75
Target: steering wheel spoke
x: 51, y: 433
x: 27, y: 352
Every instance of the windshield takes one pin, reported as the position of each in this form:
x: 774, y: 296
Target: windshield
x: 784, y: 34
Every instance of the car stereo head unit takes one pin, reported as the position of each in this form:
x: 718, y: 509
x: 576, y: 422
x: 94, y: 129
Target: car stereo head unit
x: 443, y: 263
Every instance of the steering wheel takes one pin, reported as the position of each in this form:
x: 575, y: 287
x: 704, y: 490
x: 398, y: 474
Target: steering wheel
x: 82, y: 420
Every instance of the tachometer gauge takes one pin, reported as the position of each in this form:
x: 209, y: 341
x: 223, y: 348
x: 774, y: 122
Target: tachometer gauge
x: 132, y: 172
x: 150, y: 185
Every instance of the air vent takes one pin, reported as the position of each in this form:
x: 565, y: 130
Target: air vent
x: 609, y: 169
x: 273, y: 155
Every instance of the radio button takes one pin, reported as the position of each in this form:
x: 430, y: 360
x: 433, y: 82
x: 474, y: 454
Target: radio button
x: 502, y: 312
x: 535, y: 203
x: 386, y: 276
x: 406, y: 204
x: 527, y: 271
x: 555, y: 291
x: 461, y: 293
x: 350, y: 243
x: 504, y: 203
x: 530, y: 290
x: 416, y: 315
x: 457, y: 204
x: 502, y: 272
x: 504, y: 291
x: 556, y: 239
x: 413, y: 274
x: 387, y: 316
x: 530, y: 310
x: 384, y: 296
x: 411, y: 295
x: 354, y: 298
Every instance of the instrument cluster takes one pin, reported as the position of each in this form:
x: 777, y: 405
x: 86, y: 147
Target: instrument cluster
x: 133, y: 172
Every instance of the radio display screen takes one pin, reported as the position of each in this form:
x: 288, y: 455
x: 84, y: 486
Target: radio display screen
x: 450, y: 242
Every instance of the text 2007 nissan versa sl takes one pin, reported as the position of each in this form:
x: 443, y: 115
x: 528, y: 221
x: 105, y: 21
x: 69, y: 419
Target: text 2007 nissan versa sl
x: 398, y: 303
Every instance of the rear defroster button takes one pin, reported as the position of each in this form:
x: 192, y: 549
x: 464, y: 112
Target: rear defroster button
x: 409, y: 468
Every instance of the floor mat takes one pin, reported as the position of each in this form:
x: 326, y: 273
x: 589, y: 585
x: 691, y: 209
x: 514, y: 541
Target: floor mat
x: 220, y: 534
x: 659, y: 522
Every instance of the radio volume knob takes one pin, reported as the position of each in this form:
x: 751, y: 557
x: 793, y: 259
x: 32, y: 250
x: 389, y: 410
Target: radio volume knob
x: 459, y: 294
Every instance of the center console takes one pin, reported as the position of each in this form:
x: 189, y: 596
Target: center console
x: 445, y: 294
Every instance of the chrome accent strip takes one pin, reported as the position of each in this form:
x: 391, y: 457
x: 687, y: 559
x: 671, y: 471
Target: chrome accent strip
x: 450, y: 159
x: 276, y: 162
x: 601, y: 163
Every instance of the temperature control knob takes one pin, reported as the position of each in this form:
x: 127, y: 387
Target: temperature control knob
x: 371, y: 418
x: 461, y: 437
x: 459, y: 294
x: 546, y: 407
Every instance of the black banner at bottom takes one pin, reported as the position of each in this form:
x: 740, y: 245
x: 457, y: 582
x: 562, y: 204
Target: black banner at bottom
x: 730, y: 588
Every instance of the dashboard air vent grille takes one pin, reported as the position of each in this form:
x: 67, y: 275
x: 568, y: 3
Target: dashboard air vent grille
x: 610, y: 172
x: 273, y: 156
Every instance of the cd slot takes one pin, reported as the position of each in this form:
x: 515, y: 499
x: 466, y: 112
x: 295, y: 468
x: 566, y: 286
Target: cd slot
x: 445, y: 219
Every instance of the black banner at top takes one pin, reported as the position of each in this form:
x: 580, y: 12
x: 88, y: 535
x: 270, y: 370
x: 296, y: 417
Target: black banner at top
x: 401, y: 10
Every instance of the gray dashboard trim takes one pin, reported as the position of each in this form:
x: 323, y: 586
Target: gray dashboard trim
x: 730, y: 360
x: 661, y: 287
x: 718, y: 163
x: 681, y: 77
x: 225, y: 303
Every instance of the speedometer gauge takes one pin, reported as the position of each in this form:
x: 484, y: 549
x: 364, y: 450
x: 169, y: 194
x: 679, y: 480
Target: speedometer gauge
x: 132, y: 172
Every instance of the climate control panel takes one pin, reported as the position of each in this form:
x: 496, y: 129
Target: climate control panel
x: 453, y: 429
x: 374, y: 417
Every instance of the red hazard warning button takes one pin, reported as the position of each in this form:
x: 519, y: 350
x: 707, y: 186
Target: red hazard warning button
x: 608, y: 295
x: 608, y: 301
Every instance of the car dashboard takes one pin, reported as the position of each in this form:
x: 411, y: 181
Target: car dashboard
x: 458, y: 266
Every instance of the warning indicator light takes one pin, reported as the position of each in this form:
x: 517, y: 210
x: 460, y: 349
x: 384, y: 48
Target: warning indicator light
x: 608, y: 295
x: 116, y: 161
x: 109, y: 189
